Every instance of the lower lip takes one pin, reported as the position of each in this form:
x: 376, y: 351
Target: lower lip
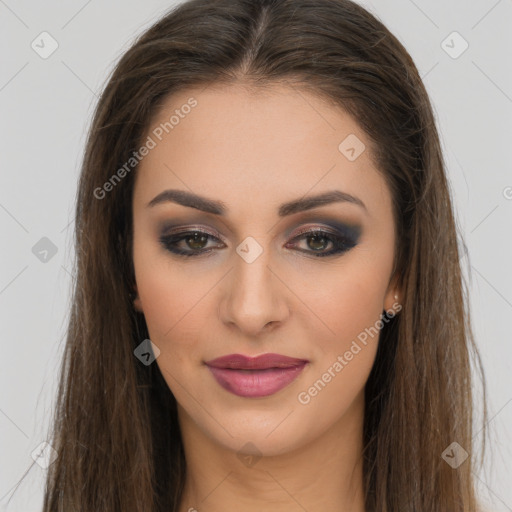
x: 255, y: 383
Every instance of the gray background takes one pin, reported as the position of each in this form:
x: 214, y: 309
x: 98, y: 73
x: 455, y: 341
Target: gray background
x: 46, y: 107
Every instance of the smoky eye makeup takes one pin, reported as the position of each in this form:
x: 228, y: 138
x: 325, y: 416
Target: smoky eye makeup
x: 325, y: 238
x: 319, y: 237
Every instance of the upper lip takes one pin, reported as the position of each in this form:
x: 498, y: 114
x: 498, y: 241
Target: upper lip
x: 264, y: 361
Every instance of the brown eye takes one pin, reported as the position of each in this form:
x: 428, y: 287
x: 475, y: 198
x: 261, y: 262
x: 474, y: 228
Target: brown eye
x: 197, y: 241
x: 189, y: 243
x: 317, y: 241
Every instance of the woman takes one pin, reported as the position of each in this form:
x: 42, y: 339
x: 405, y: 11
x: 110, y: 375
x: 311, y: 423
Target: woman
x: 268, y: 311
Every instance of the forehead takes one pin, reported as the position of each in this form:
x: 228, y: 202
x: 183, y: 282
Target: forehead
x: 236, y: 116
x: 256, y: 146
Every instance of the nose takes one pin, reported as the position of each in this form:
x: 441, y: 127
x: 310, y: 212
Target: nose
x: 255, y: 298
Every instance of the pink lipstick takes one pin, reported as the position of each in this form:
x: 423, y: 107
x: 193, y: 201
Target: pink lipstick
x: 255, y: 377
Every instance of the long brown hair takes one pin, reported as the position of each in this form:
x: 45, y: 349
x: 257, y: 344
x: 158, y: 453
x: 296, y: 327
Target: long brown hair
x: 115, y: 425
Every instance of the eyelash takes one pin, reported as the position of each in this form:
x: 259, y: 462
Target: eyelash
x: 341, y: 244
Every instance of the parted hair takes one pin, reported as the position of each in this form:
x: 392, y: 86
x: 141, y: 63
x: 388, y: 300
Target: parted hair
x: 114, y: 427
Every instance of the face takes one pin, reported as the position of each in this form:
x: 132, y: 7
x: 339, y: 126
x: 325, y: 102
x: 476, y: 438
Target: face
x: 263, y: 270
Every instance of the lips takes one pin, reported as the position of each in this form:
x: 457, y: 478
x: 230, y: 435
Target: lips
x: 263, y: 362
x: 255, y: 377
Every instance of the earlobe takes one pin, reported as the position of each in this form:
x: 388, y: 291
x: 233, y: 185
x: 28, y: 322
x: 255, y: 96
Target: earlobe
x: 134, y: 296
x: 393, y: 298
x: 392, y: 302
x: 137, y: 305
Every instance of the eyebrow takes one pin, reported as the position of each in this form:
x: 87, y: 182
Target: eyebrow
x: 216, y: 207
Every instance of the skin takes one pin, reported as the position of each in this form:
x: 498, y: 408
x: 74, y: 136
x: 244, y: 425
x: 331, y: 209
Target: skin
x: 254, y: 150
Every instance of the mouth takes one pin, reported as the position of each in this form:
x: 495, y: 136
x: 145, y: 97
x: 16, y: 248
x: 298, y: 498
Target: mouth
x: 255, y: 377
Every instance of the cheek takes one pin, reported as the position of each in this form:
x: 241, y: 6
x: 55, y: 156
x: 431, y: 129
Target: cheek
x: 347, y: 301
x: 351, y: 305
x: 175, y: 316
x: 174, y: 303
x: 352, y: 310
x: 174, y: 306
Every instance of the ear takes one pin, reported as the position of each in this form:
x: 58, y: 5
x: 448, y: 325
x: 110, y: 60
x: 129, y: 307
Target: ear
x: 136, y: 300
x: 394, y: 296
